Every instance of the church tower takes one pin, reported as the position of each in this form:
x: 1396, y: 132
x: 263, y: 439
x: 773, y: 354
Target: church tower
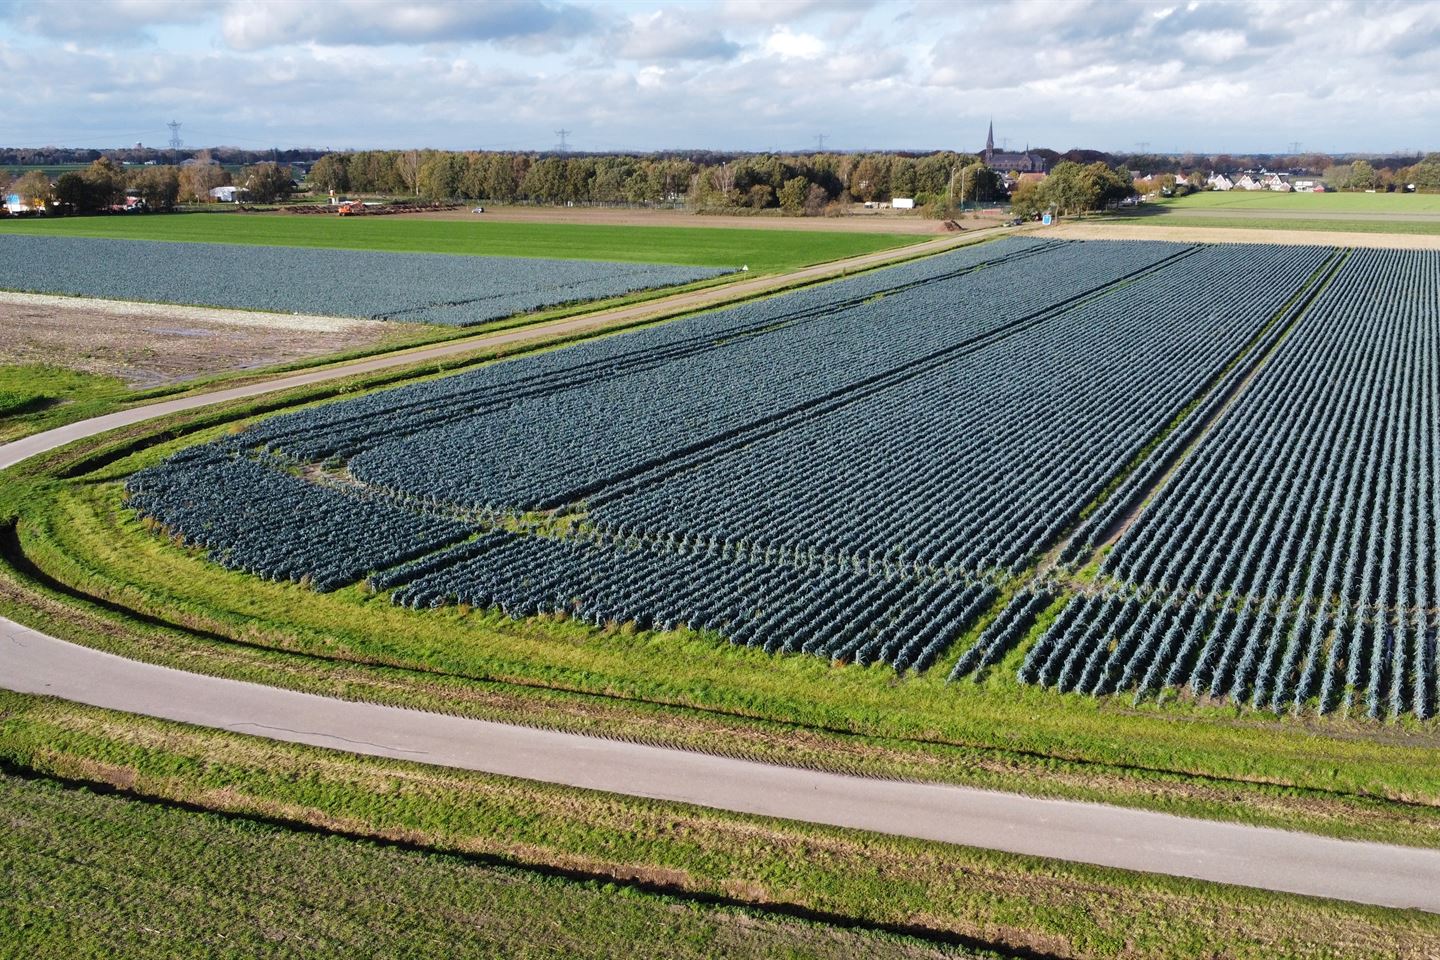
x: 990, y: 143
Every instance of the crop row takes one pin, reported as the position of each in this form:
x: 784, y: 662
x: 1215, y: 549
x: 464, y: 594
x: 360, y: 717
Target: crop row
x: 260, y: 519
x: 443, y: 289
x: 967, y: 467
x: 1308, y: 516
x: 342, y: 431
x: 540, y: 452
x: 861, y: 456
x: 839, y: 612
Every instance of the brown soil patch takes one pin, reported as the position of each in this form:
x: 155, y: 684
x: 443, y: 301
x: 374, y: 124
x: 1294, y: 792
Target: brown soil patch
x: 1187, y: 234
x: 148, y: 345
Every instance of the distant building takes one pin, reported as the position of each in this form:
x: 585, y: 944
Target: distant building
x: 903, y: 203
x: 228, y: 194
x: 1218, y: 181
x: 1026, y: 162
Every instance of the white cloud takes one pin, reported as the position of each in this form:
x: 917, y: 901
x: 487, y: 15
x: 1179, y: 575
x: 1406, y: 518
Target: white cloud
x: 673, y: 34
x: 251, y: 26
x: 1339, y: 75
x: 789, y: 45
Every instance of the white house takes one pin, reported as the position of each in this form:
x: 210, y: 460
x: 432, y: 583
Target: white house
x: 228, y: 194
x: 1248, y: 182
x: 1218, y: 181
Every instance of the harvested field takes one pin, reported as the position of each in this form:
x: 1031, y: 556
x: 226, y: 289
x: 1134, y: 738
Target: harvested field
x: 149, y: 345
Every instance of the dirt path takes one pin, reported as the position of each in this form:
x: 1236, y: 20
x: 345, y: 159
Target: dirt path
x: 1107, y: 230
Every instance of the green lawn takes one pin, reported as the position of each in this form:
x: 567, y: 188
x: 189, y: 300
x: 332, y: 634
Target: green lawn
x: 763, y: 251
x: 101, y: 876
x: 1377, y: 203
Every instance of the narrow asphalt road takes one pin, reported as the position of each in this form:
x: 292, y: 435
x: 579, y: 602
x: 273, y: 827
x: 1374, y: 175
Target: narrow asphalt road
x: 23, y: 449
x: 31, y: 662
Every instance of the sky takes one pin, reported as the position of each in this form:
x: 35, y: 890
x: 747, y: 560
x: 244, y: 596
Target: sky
x: 1196, y: 75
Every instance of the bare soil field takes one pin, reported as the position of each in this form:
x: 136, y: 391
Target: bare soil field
x: 878, y: 222
x: 149, y: 345
x: 1189, y: 234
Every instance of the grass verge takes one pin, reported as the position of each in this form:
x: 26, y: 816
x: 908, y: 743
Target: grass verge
x: 1020, y: 906
x: 103, y: 874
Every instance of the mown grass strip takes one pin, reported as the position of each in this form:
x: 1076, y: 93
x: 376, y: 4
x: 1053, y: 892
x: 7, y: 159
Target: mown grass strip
x: 1018, y: 905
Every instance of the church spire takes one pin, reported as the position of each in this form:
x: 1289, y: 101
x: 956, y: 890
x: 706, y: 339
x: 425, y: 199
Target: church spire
x: 990, y: 141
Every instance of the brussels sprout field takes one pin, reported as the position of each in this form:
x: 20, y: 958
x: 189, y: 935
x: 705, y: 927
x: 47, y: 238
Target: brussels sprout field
x: 457, y: 291
x: 1294, y: 557
x: 867, y: 470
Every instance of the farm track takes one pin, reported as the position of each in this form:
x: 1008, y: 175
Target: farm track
x: 32, y: 662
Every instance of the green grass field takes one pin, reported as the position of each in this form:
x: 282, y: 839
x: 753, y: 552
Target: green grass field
x: 765, y: 251
x: 108, y: 876
x: 91, y: 875
x: 1316, y: 203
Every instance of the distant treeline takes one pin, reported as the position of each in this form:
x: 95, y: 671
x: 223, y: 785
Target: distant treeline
x: 232, y: 156
x: 106, y: 185
x: 806, y: 183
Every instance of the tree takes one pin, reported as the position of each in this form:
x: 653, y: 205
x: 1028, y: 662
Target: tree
x: 976, y: 182
x: 407, y: 168
x: 158, y: 186
x: 200, y: 176
x: 34, y: 188
x: 1362, y: 176
x: 760, y: 196
x: 793, y: 193
x: 330, y: 174
x: 544, y: 181
x: 71, y: 192
x: 100, y: 185
x: 1026, y: 201
x: 815, y: 199
x: 267, y: 182
x: 439, y: 176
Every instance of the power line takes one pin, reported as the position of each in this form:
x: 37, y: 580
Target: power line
x: 819, y: 143
x: 562, y: 133
x: 175, y: 142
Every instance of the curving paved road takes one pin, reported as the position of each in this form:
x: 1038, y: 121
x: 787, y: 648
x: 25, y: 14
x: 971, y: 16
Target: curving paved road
x: 31, y: 662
